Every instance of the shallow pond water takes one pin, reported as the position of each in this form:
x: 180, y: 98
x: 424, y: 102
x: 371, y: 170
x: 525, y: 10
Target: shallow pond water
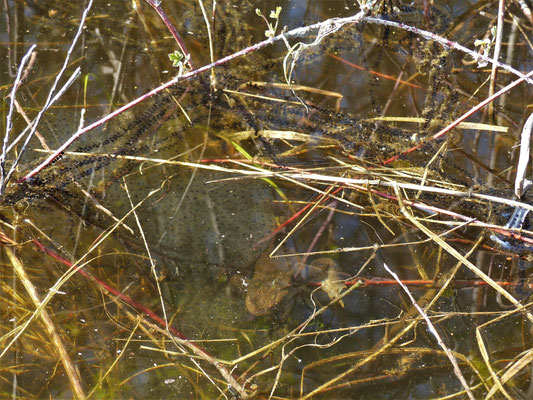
x: 238, y: 208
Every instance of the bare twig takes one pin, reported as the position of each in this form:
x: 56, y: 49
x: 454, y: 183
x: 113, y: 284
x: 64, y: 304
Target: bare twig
x: 525, y: 9
x: 9, y: 122
x: 434, y: 332
x: 522, y: 184
x: 52, y: 96
x: 448, y: 43
x: 32, y: 127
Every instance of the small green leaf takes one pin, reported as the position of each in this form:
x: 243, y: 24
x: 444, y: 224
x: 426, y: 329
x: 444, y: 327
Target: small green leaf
x: 267, y: 180
x: 483, y: 42
x: 275, y: 14
x: 258, y: 12
x: 176, y: 58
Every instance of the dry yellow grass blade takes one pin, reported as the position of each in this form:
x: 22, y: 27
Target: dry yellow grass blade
x: 377, y: 212
x: 120, y: 355
x: 512, y: 369
x: 437, y: 239
x: 79, y: 264
x: 523, y: 362
x: 258, y: 96
x: 55, y: 338
x: 304, y: 88
x: 463, y: 125
x: 484, y: 353
x: 280, y: 135
x: 302, y: 220
x: 371, y: 357
x: 293, y: 176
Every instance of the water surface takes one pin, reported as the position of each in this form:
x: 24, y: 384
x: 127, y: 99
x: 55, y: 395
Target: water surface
x: 214, y: 167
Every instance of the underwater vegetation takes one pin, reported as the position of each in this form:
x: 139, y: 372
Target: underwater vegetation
x: 248, y: 199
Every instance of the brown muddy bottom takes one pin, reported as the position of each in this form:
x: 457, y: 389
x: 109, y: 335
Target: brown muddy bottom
x: 240, y: 208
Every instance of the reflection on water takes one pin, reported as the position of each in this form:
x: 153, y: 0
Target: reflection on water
x: 198, y: 199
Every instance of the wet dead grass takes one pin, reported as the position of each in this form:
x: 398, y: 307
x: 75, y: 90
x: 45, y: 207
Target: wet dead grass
x: 425, y: 297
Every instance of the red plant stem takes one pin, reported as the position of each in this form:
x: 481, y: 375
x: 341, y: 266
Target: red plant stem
x: 364, y: 282
x: 296, y: 216
x: 392, y: 78
x: 460, y: 119
x: 446, y: 42
x: 333, y: 206
x: 230, y: 376
x: 173, y: 31
x: 384, y: 282
x: 505, y: 253
x: 113, y: 291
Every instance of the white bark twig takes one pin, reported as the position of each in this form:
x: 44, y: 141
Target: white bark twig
x: 33, y: 124
x: 521, y: 184
x: 9, y: 122
x: 433, y: 331
x: 52, y: 96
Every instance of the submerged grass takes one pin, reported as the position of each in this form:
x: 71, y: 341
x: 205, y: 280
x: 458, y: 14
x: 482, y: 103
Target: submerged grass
x: 140, y: 248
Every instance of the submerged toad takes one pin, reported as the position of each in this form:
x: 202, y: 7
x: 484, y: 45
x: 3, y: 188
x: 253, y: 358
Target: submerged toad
x: 272, y: 280
x: 269, y: 285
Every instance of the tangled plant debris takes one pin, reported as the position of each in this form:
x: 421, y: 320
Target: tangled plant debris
x: 334, y: 207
